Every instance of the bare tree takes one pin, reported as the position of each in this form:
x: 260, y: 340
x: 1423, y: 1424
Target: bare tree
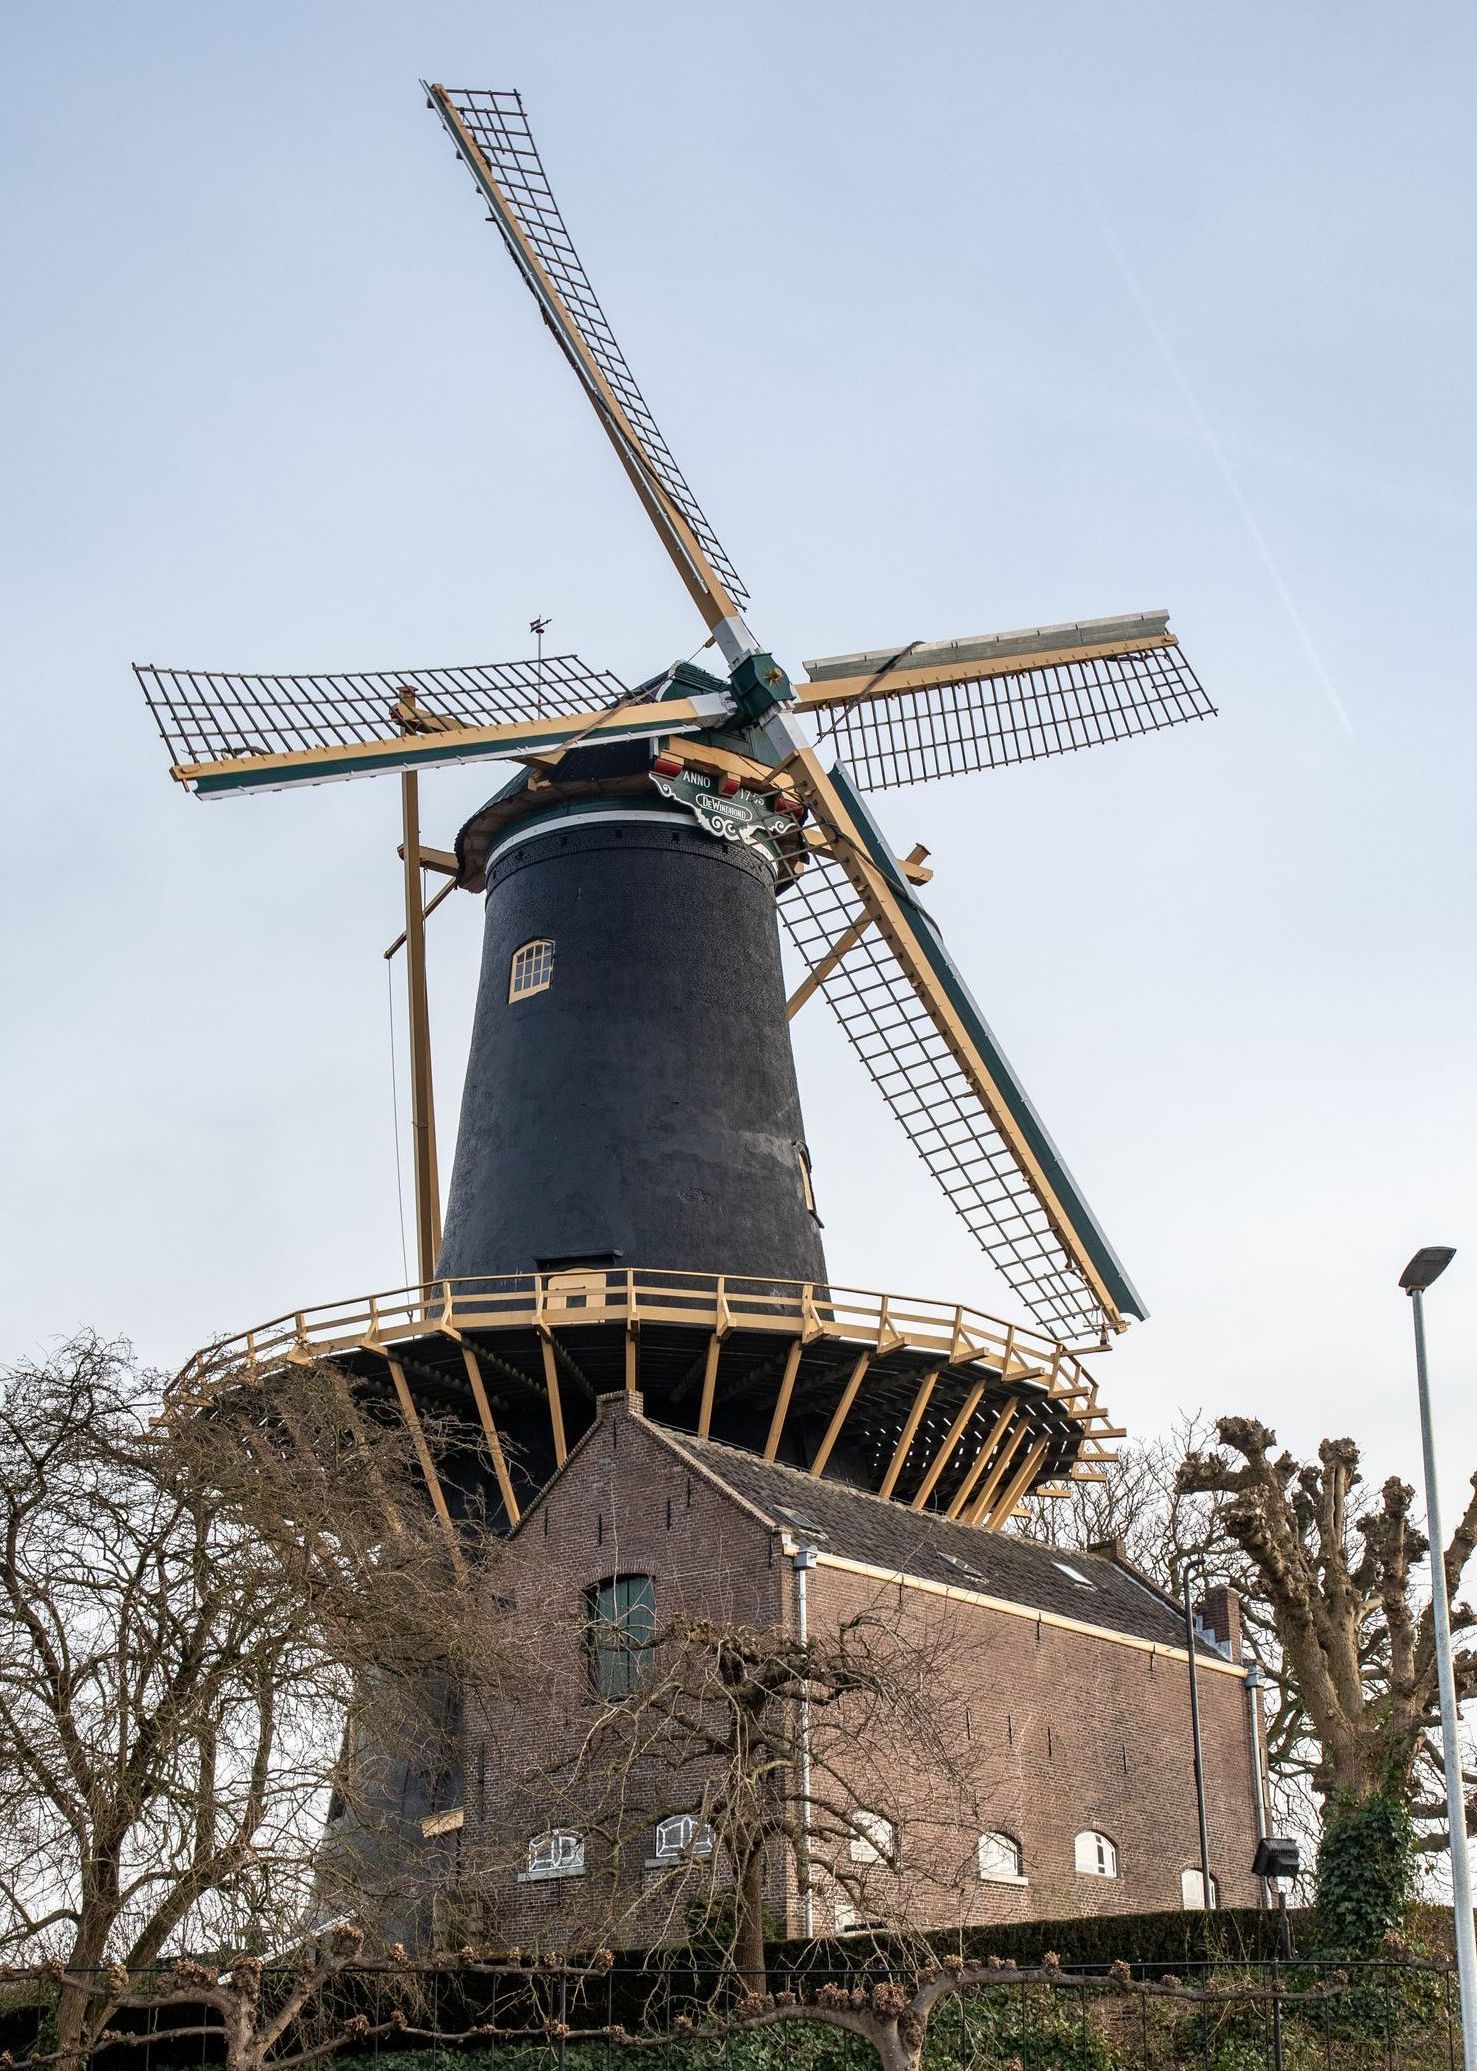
x: 836, y: 1768
x: 1335, y: 1572
x: 190, y: 1611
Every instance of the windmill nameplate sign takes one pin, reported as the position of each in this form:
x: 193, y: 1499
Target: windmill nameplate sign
x: 742, y: 816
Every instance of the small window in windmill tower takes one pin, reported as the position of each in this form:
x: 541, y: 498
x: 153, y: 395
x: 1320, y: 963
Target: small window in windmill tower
x: 532, y: 969
x: 807, y: 1188
x: 620, y: 1626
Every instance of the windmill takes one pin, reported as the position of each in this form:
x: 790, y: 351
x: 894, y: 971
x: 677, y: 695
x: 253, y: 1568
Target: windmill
x: 632, y: 1202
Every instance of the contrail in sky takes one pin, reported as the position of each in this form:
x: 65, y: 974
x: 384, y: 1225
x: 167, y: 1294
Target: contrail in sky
x: 1218, y: 454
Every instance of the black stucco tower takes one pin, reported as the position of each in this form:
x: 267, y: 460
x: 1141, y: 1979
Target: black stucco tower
x: 636, y: 1105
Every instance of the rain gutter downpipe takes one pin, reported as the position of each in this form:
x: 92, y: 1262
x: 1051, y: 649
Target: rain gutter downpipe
x: 803, y: 1559
x: 1254, y: 1717
x: 1207, y: 1888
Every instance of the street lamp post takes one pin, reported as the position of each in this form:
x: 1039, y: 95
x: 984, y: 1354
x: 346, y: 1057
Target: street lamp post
x: 1425, y: 1267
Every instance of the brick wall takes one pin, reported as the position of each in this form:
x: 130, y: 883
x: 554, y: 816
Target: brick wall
x: 1048, y: 1730
x: 624, y: 1504
x: 1063, y: 1731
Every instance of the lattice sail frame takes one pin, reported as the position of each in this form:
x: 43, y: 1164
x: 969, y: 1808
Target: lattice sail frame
x: 496, y: 123
x: 915, y: 1071
x: 991, y: 721
x: 922, y: 712
x: 209, y: 715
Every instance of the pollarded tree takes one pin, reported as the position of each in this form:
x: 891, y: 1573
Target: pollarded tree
x: 1336, y: 1576
x: 1166, y: 1529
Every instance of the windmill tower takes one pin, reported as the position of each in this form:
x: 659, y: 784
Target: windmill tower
x: 631, y: 1203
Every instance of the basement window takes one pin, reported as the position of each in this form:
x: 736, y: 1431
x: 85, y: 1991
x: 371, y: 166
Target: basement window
x: 532, y: 969
x: 557, y: 1853
x: 682, y: 1838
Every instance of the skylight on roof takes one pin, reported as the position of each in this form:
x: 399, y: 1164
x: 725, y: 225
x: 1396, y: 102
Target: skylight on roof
x: 1074, y: 1574
x: 803, y: 1523
x: 952, y: 1560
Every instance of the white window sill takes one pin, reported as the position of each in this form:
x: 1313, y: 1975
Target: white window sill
x: 546, y: 1876
x: 1104, y: 1877
x: 1000, y: 1877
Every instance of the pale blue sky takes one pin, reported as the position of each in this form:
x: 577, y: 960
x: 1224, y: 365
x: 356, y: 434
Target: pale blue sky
x: 958, y: 318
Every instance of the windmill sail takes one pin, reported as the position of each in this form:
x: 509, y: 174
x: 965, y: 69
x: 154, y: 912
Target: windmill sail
x: 907, y: 715
x: 207, y: 715
x: 940, y: 1070
x: 228, y: 730
x: 491, y: 133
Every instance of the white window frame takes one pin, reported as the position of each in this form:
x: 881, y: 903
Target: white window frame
x: 1101, y: 1847
x: 557, y: 1852
x: 992, y: 1846
x: 875, y: 1840
x: 536, y: 956
x: 681, y: 1838
x: 1075, y: 1574
x: 1190, y: 1882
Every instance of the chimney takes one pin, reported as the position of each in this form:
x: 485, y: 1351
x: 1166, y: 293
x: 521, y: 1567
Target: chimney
x: 1220, y: 1614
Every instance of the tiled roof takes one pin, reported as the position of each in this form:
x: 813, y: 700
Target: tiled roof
x: 856, y: 1525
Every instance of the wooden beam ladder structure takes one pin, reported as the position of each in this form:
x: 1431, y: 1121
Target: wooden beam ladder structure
x: 422, y: 1095
x: 490, y: 1433
x: 909, y: 1431
x: 840, y: 1414
x: 428, y: 1466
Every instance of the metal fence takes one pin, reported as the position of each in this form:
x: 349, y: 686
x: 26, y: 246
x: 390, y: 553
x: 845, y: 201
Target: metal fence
x: 1285, y: 2015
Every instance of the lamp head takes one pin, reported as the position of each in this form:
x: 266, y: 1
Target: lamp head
x: 1427, y: 1265
x: 1276, y: 1857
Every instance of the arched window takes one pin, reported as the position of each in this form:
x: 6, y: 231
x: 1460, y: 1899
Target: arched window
x: 1192, y: 1891
x: 1001, y: 1860
x: 682, y: 1836
x: 557, y: 1853
x: 1094, y: 1855
x: 874, y: 1838
x: 620, y: 1621
x: 532, y: 969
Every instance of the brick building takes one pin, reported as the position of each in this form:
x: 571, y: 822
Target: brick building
x: 1063, y: 1679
